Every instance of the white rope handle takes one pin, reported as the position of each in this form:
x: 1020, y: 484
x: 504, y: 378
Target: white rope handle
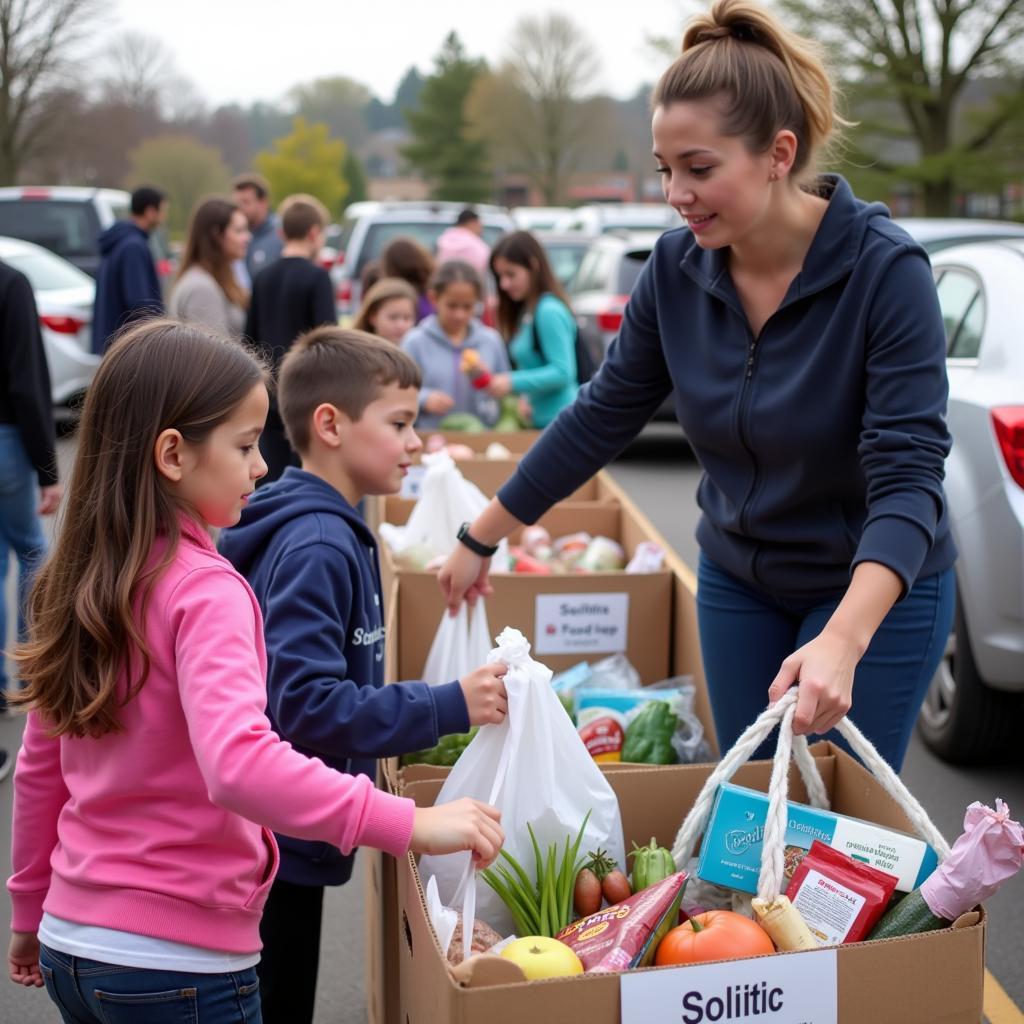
x: 772, y: 852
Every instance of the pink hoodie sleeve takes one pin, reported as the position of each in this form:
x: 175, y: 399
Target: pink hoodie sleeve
x: 248, y: 768
x: 39, y: 795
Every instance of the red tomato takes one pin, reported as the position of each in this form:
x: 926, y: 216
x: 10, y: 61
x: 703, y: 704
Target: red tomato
x: 717, y: 935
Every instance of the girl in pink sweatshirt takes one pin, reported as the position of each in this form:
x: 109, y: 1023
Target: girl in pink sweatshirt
x: 150, y: 782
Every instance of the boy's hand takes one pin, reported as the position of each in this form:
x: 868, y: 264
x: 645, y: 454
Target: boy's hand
x: 437, y: 403
x: 486, y: 699
x: 23, y: 959
x: 461, y: 825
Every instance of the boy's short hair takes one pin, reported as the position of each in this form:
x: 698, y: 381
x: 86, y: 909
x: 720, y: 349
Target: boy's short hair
x: 345, y: 368
x: 300, y: 213
x: 252, y: 180
x: 146, y: 197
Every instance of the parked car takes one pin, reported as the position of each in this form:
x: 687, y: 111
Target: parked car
x: 538, y: 218
x: 938, y: 233
x: 369, y: 226
x: 565, y: 252
x: 974, y: 709
x: 64, y: 296
x: 600, y: 218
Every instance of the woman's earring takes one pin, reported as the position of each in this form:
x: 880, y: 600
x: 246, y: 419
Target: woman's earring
x: 773, y: 176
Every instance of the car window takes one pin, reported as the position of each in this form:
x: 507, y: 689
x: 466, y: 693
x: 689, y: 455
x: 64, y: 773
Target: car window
x: 593, y: 273
x: 629, y: 270
x: 65, y: 227
x: 963, y: 313
x: 46, y: 272
x: 426, y: 233
x: 565, y: 260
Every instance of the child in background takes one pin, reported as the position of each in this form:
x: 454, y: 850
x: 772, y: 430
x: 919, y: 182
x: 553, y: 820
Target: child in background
x: 149, y: 776
x: 456, y: 352
x: 388, y: 310
x: 348, y: 401
x: 535, y: 319
x: 406, y: 258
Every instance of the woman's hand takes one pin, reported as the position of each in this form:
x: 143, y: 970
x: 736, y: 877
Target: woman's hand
x: 463, y: 577
x: 23, y: 959
x: 824, y: 668
x: 437, y: 403
x: 500, y: 385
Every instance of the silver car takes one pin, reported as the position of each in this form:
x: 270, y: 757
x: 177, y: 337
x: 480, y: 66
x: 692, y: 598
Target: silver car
x: 64, y: 297
x: 975, y: 707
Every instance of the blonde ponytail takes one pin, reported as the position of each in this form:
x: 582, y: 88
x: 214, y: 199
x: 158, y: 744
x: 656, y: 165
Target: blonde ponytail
x: 770, y: 79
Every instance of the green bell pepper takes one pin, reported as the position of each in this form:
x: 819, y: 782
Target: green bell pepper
x: 649, y: 736
x: 651, y: 863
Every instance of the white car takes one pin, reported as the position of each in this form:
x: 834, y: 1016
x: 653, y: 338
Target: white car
x: 601, y: 218
x: 64, y: 295
x: 974, y: 709
x: 538, y: 218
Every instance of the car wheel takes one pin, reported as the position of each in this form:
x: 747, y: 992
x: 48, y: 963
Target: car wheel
x: 962, y: 720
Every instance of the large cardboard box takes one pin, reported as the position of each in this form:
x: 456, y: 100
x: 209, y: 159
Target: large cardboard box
x: 516, y: 441
x: 920, y: 979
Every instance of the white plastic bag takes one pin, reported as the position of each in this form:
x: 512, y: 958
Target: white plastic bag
x: 461, y: 644
x: 447, y: 500
x: 534, y: 768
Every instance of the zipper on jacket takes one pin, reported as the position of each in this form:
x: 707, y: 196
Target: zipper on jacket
x: 740, y: 427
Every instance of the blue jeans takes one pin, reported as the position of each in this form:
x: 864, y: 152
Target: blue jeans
x: 745, y: 634
x: 20, y: 528
x: 90, y: 992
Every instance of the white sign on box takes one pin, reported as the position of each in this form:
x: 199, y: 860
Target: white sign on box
x: 790, y: 988
x: 581, y: 623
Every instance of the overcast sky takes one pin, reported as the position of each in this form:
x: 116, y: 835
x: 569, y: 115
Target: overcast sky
x: 242, y: 50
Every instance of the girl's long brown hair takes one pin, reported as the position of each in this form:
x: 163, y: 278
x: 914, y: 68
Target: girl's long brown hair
x: 384, y: 290
x: 84, y: 635
x: 206, y: 227
x: 521, y: 248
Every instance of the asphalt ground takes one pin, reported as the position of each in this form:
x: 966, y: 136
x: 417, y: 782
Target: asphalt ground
x: 661, y: 475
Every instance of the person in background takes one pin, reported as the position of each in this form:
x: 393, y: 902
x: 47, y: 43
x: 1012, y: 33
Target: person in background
x: 29, y: 486
x: 798, y: 330
x: 349, y: 402
x: 535, y: 319
x: 251, y: 193
x: 290, y: 296
x: 207, y: 292
x: 466, y: 242
x: 388, y: 309
x: 127, y: 286
x: 406, y: 258
x: 369, y: 276
x: 150, y: 781
x: 456, y: 352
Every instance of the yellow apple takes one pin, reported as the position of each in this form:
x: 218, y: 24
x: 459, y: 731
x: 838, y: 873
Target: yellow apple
x: 540, y: 957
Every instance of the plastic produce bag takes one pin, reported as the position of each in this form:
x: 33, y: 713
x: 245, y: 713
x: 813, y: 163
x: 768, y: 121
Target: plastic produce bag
x: 533, y: 768
x: 461, y: 644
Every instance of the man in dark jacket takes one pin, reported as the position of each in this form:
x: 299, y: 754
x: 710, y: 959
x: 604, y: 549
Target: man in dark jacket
x: 127, y: 287
x: 28, y: 459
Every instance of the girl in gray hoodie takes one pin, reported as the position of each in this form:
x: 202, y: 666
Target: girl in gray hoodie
x: 455, y: 351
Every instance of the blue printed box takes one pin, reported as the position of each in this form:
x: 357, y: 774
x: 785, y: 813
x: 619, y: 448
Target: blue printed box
x: 730, y: 854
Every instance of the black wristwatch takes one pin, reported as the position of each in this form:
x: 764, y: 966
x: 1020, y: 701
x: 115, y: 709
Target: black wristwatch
x: 473, y: 544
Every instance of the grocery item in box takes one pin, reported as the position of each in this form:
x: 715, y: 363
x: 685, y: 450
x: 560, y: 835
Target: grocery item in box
x: 730, y: 853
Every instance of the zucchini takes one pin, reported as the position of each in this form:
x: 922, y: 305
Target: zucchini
x: 910, y: 916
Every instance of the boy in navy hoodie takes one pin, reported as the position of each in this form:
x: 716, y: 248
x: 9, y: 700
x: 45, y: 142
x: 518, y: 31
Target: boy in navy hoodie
x: 348, y: 401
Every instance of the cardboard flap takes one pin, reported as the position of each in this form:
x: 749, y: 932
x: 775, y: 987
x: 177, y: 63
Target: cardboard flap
x: 486, y: 969
x: 968, y: 920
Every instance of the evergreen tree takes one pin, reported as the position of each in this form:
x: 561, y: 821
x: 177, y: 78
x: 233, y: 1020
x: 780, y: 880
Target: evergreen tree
x: 443, y: 151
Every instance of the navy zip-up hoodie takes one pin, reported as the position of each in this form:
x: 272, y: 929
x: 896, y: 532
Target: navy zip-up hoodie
x: 127, y: 286
x: 312, y: 563
x: 822, y: 441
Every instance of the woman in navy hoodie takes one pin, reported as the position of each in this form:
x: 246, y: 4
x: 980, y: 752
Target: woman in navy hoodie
x: 798, y: 330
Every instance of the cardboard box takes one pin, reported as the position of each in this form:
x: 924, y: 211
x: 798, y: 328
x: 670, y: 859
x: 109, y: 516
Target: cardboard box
x: 919, y: 979
x: 516, y: 441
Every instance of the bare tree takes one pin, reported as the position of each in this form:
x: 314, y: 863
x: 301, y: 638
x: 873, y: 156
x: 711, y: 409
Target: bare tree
x: 38, y: 39
x: 538, y: 111
x: 141, y: 72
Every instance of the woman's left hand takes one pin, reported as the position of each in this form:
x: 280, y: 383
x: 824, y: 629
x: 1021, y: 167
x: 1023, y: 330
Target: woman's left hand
x: 500, y: 385
x: 824, y: 668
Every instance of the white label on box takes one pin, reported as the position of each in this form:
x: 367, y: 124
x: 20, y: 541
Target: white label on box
x: 412, y: 483
x: 791, y: 988
x: 828, y: 908
x: 581, y: 623
x: 895, y: 854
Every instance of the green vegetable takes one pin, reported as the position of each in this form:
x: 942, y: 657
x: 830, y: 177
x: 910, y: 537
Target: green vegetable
x: 651, y: 864
x: 649, y: 736
x: 544, y: 906
x: 509, y: 419
x: 462, y: 421
x: 909, y: 916
x: 446, y: 753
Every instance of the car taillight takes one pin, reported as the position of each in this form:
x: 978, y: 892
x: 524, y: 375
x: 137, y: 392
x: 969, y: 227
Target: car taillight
x: 610, y: 318
x: 35, y: 193
x: 62, y: 324
x: 344, y: 290
x: 1009, y: 423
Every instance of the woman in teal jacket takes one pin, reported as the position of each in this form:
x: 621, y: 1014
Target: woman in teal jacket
x: 535, y: 319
